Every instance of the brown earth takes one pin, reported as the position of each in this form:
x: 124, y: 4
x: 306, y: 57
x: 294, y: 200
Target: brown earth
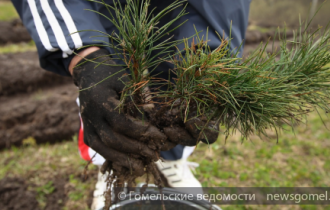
x: 34, y: 103
x: 58, y: 197
x: 14, y: 195
x: 17, y: 193
x: 47, y: 116
x: 21, y: 73
x: 13, y: 32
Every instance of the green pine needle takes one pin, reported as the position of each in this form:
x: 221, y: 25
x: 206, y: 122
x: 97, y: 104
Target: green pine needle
x: 264, y: 91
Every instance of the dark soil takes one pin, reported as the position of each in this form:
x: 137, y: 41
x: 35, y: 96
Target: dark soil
x: 34, y: 103
x: 13, y: 32
x: 21, y: 73
x: 14, y: 195
x: 57, y: 199
x: 17, y: 194
x: 48, y: 116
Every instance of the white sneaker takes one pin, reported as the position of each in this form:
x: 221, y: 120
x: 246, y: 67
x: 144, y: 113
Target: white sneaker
x: 178, y: 174
x: 98, y: 195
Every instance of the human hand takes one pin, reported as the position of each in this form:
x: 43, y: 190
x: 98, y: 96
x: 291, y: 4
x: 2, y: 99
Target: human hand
x: 195, y: 129
x: 112, y: 134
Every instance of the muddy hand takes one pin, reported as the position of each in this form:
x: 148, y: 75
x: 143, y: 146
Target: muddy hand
x: 112, y: 134
x: 195, y: 129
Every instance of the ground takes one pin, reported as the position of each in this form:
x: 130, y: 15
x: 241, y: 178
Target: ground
x: 40, y: 162
x: 54, y: 174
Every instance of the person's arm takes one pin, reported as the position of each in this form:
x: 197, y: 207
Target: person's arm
x: 50, y: 24
x: 80, y: 56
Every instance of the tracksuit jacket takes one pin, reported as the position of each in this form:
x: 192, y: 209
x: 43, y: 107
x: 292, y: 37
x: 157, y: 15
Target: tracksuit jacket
x: 50, y: 23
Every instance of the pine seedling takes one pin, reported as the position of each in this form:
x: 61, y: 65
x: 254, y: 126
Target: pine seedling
x: 265, y: 91
x: 136, y: 37
x: 135, y: 40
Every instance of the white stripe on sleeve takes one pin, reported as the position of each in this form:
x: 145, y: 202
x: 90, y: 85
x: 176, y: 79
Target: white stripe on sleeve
x: 69, y: 23
x: 56, y: 27
x: 40, y: 27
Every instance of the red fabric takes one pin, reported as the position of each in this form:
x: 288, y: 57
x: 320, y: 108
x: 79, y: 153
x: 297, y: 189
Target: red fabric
x: 83, y: 148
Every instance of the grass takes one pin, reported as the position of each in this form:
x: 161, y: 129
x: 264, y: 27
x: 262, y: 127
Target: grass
x: 265, y: 163
x: 298, y: 160
x: 43, y: 191
x: 7, y: 11
x: 19, y: 47
x: 260, y: 29
x: 41, y: 166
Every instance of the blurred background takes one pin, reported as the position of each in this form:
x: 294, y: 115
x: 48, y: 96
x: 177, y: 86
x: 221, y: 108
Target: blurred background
x: 40, y: 167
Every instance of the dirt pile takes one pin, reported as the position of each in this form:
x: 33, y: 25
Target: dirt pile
x: 13, y: 32
x: 48, y: 116
x: 21, y: 73
x: 58, y: 197
x: 34, y: 103
x: 14, y: 195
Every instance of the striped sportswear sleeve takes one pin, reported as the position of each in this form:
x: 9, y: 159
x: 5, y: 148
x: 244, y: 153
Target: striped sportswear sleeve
x: 52, y: 23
